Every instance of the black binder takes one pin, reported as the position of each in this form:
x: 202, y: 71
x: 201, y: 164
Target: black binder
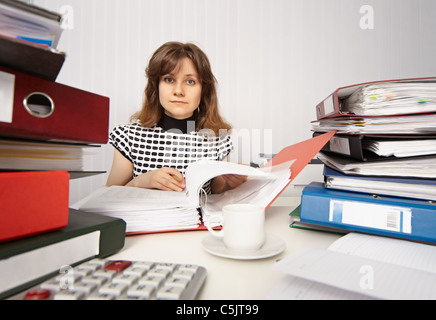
x: 111, y: 239
x: 29, y: 58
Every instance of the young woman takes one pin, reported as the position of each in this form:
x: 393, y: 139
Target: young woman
x: 179, y: 123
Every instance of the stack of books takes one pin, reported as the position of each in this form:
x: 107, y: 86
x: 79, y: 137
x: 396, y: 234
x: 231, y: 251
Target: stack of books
x: 45, y: 127
x: 380, y: 167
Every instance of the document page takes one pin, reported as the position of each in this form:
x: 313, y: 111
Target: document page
x: 360, y: 275
x: 360, y: 266
x: 404, y: 253
x: 116, y: 198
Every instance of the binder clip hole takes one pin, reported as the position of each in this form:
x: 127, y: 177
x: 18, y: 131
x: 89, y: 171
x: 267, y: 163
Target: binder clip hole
x: 39, y: 105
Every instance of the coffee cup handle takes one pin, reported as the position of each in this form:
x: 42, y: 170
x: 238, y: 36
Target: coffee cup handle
x: 216, y: 233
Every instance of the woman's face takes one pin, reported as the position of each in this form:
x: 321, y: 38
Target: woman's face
x: 180, y: 90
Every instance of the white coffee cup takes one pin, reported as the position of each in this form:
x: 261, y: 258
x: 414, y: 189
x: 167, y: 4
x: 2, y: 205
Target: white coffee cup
x: 243, y: 227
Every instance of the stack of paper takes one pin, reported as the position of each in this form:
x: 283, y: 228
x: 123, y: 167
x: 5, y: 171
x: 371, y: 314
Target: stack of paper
x: 143, y: 210
x: 385, y: 129
x: 359, y: 266
x: 380, y: 167
x: 399, y: 187
x: 39, y: 155
x: 417, y: 124
x: 424, y: 167
x: 392, y: 98
x: 19, y: 20
x: 401, y: 148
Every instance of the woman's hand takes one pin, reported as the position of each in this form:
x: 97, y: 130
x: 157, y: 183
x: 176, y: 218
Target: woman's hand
x: 227, y: 182
x: 168, y: 179
x: 234, y: 180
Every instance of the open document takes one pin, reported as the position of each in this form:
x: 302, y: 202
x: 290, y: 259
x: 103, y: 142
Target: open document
x: 146, y: 210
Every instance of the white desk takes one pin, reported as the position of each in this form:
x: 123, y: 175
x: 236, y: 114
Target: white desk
x: 226, y: 278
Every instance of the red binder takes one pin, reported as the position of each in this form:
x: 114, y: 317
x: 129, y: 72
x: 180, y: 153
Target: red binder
x: 331, y: 106
x: 46, y: 110
x: 32, y: 203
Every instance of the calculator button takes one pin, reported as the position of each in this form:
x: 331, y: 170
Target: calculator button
x: 116, y: 289
x: 99, y: 262
x: 185, y: 274
x: 165, y: 266
x: 105, y: 273
x: 96, y: 280
x: 135, y: 271
x: 97, y: 296
x: 169, y: 293
x: 69, y: 295
x: 150, y: 280
x: 51, y: 285
x: 163, y: 273
x: 82, y: 272
x: 101, y: 279
x: 87, y: 288
x: 65, y: 279
x: 118, y: 266
x: 37, y: 294
x: 143, y: 264
x: 141, y: 290
x: 177, y: 282
x: 89, y: 266
x: 125, y: 278
x: 188, y: 267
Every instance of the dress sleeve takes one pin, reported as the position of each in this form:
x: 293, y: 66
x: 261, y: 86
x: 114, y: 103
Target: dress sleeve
x: 119, y: 139
x: 225, y: 146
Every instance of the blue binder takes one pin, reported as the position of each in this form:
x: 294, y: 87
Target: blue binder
x: 383, y: 215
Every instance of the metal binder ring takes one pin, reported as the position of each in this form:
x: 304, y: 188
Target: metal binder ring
x: 39, y: 104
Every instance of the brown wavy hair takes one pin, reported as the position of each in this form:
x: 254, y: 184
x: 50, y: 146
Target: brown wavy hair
x: 164, y: 61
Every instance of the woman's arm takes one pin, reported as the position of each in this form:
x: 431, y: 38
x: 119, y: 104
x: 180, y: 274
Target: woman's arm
x: 164, y: 179
x: 121, y: 172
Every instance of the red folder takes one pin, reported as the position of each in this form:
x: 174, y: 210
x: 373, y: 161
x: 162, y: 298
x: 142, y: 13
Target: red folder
x: 32, y: 203
x: 43, y: 109
x: 331, y: 106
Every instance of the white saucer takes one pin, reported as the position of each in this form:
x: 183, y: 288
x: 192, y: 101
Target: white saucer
x: 272, y: 246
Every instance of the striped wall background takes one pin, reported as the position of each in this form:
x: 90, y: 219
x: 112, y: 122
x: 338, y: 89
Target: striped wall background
x: 274, y: 59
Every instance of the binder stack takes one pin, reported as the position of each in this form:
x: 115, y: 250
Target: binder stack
x: 45, y: 129
x: 380, y: 167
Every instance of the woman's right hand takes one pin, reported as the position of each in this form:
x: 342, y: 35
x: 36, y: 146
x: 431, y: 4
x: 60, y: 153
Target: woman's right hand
x: 168, y: 179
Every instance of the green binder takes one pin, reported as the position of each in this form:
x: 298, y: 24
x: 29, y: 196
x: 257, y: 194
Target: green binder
x: 111, y: 235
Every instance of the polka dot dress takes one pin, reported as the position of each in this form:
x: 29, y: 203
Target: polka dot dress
x: 153, y: 148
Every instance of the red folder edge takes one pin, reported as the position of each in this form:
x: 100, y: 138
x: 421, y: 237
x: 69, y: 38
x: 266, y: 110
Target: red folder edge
x: 303, y: 152
x: 32, y: 203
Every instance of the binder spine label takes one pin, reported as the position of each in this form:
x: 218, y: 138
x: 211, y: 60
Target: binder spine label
x: 384, y: 217
x: 329, y: 106
x: 340, y: 145
x: 7, y: 82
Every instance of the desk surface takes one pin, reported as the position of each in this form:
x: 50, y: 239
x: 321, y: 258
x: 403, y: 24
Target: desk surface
x: 227, y: 278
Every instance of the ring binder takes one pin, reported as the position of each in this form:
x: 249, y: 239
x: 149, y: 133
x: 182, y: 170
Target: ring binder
x: 46, y: 110
x: 39, y: 104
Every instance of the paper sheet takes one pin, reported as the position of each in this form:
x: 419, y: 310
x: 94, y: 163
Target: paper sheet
x: 362, y: 265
